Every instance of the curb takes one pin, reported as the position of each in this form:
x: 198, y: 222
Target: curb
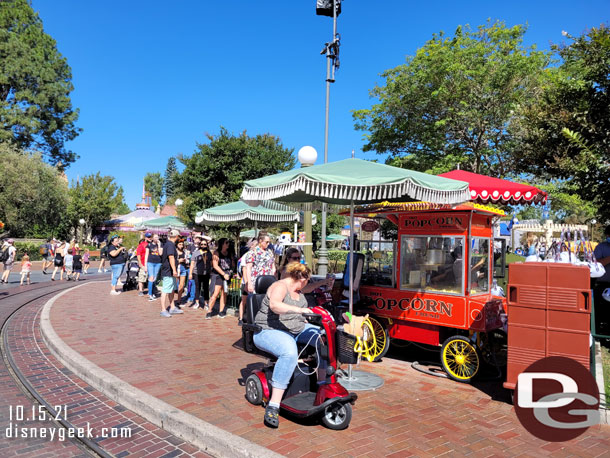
x: 604, y: 414
x: 209, y: 438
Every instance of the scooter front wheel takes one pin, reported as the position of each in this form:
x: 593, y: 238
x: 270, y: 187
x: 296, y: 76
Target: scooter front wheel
x: 254, y: 390
x: 337, y: 416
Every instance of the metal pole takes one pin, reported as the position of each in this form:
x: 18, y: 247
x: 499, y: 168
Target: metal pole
x: 323, y: 253
x: 351, y: 270
x: 256, y: 229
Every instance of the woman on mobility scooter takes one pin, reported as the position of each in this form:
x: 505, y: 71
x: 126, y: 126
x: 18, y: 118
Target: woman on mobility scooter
x: 283, y: 325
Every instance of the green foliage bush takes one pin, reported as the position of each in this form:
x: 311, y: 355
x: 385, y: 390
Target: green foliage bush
x: 336, y: 255
x: 32, y: 249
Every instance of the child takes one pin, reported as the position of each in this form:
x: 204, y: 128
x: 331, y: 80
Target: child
x: 26, y: 267
x: 77, y: 264
x: 69, y: 264
x: 86, y: 261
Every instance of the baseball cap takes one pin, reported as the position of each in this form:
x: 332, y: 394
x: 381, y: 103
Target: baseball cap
x: 174, y: 233
x: 114, y: 237
x: 148, y: 234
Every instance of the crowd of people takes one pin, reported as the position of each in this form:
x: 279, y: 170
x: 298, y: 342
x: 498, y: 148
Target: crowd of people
x: 194, y: 272
x: 64, y: 257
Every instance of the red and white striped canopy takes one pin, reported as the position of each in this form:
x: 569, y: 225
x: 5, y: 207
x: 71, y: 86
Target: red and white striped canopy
x: 486, y: 190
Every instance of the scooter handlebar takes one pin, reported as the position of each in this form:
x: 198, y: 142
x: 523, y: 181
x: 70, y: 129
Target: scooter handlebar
x: 313, y: 317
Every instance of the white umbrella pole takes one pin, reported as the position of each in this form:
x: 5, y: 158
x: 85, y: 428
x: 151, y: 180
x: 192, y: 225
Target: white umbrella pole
x: 351, y: 270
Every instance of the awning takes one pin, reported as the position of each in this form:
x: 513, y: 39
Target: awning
x: 486, y: 190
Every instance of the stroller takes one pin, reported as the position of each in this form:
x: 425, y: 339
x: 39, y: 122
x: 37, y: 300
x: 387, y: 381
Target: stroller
x: 132, y: 269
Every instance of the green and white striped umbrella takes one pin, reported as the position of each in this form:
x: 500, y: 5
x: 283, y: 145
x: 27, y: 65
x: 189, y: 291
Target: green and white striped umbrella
x: 353, y: 181
x: 242, y: 212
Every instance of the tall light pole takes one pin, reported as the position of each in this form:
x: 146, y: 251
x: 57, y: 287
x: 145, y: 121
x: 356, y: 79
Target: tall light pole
x: 331, y: 50
x: 81, y: 222
x: 307, y: 156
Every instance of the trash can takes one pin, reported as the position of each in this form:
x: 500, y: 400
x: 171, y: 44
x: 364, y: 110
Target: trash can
x: 549, y: 314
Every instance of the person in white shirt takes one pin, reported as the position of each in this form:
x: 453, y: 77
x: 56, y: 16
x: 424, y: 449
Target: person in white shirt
x: 9, y: 250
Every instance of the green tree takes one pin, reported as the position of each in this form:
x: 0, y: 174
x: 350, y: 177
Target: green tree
x: 566, y: 136
x: 567, y: 207
x: 95, y: 198
x: 334, y: 224
x: 454, y: 101
x: 216, y: 172
x: 33, y: 194
x: 153, y: 183
x: 171, y: 181
x: 35, y: 85
x: 121, y: 207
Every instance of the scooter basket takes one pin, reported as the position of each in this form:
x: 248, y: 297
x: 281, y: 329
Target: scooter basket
x: 345, y: 347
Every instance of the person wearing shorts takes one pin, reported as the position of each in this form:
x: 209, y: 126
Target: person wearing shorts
x: 141, y: 253
x: 9, y: 245
x: 86, y: 261
x: 103, y: 258
x: 169, y: 276
x: 59, y: 261
x: 77, y: 264
x: 49, y: 256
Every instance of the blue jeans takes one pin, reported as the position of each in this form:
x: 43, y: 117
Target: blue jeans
x: 284, y: 345
x: 190, y: 287
x: 117, y: 271
x: 153, y: 272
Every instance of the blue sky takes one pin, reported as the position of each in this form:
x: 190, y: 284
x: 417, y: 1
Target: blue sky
x: 151, y: 78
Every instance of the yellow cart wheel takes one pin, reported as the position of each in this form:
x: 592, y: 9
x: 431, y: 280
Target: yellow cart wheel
x: 460, y: 359
x: 382, y: 339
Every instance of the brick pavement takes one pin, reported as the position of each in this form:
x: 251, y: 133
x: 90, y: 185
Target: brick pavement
x: 59, y: 387
x: 197, y: 365
x: 11, y: 396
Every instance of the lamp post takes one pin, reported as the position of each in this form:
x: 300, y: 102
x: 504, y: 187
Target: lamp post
x: 331, y: 51
x: 82, y: 225
x: 307, y: 156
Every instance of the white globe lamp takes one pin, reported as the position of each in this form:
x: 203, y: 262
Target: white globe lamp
x: 179, y: 202
x: 307, y: 156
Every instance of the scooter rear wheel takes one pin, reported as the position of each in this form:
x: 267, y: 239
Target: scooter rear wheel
x: 254, y: 390
x: 337, y: 416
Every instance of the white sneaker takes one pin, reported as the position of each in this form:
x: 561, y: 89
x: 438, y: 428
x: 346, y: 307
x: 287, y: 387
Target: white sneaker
x: 105, y: 270
x: 115, y: 293
x: 99, y: 271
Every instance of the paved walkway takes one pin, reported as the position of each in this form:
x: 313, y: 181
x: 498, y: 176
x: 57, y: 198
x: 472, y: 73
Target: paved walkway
x: 59, y: 387
x: 198, y: 366
x: 36, y: 276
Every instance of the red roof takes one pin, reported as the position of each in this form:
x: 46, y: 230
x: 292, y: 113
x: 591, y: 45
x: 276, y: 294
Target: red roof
x: 486, y: 190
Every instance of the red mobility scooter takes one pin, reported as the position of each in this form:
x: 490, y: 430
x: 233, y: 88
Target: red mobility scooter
x: 304, y: 397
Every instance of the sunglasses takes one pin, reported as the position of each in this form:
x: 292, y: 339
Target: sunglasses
x: 295, y: 258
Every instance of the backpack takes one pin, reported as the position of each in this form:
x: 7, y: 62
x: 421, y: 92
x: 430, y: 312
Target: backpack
x: 44, y: 249
x: 4, y: 255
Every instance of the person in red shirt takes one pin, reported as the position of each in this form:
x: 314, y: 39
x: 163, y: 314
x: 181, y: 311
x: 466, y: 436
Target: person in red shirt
x: 141, y: 253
